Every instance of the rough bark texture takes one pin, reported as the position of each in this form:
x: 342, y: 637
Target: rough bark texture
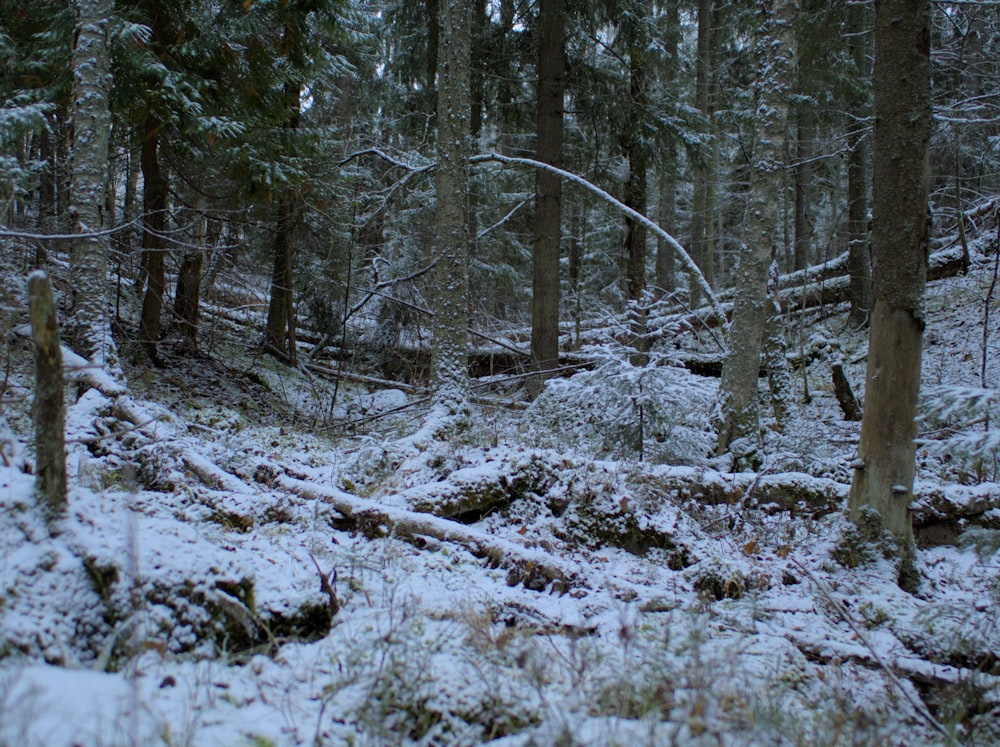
x: 49, y: 407
x: 884, y: 479
x: 154, y: 206
x: 859, y: 257
x: 775, y: 53
x: 89, y: 177
x: 548, y: 189
x: 451, y: 271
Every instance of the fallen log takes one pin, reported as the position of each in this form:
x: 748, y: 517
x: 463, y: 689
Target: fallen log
x: 536, y: 570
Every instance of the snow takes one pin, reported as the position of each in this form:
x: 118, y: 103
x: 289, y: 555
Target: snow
x: 488, y: 590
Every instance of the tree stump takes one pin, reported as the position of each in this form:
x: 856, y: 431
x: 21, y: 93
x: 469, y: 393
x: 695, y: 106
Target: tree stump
x: 49, y: 407
x: 845, y: 393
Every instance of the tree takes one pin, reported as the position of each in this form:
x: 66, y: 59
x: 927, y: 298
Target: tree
x: 775, y: 53
x: 702, y: 208
x: 883, y: 477
x: 451, y: 272
x: 548, y: 187
x: 89, y: 170
x: 858, y: 257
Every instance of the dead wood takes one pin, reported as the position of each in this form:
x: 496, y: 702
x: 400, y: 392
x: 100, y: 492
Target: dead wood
x: 534, y: 569
x: 845, y: 392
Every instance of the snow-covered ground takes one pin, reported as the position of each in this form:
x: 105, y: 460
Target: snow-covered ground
x: 236, y: 570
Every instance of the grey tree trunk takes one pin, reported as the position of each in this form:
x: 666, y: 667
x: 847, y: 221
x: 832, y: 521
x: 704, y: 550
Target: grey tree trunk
x: 701, y: 208
x: 49, y: 407
x: 859, y: 257
x: 89, y: 178
x: 883, y: 479
x: 775, y: 60
x: 451, y: 272
x: 548, y: 189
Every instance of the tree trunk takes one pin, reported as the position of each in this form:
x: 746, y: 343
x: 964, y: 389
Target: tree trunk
x: 451, y: 271
x: 279, y: 331
x: 883, y: 480
x: 775, y: 59
x: 859, y: 257
x: 548, y: 190
x: 49, y: 408
x: 187, y: 300
x: 154, y: 206
x: 637, y: 191
x: 701, y: 219
x: 805, y: 137
x: 89, y: 178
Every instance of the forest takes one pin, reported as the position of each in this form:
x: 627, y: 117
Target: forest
x: 509, y: 372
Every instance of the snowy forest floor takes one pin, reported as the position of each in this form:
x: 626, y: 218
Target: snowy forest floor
x: 237, y: 568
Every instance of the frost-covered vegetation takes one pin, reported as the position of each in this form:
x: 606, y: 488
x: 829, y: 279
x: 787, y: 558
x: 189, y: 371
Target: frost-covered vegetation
x: 238, y: 566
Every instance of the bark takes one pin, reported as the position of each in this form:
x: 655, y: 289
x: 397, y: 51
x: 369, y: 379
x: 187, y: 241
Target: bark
x: 666, y: 213
x: 845, y: 392
x: 636, y: 195
x: 548, y: 189
x: 49, y: 407
x: 806, y: 135
x: 701, y: 222
x: 279, y: 331
x: 154, y: 206
x: 859, y: 255
x: 775, y: 59
x: 883, y: 479
x: 89, y: 179
x: 451, y: 272
x: 187, y: 301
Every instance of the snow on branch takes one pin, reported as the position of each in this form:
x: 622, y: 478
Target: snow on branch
x: 689, y: 263
x: 622, y: 207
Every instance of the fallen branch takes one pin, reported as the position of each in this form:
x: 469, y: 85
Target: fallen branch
x: 534, y: 569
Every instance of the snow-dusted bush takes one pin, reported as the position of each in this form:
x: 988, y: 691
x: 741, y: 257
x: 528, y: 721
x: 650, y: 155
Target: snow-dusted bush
x: 963, y: 428
x: 657, y: 412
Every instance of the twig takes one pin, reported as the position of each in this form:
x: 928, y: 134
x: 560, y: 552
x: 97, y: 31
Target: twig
x: 326, y: 586
x: 919, y: 707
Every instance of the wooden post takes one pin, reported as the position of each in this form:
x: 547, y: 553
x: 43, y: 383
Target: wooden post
x: 49, y: 409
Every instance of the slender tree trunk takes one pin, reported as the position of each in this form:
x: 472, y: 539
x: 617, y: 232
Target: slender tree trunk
x: 666, y: 213
x: 89, y: 179
x: 154, y: 206
x: 805, y: 137
x: 701, y: 219
x: 859, y: 256
x: 548, y: 189
x: 279, y: 332
x: 775, y: 59
x: 187, y: 300
x: 451, y: 272
x: 883, y: 480
x: 49, y: 407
